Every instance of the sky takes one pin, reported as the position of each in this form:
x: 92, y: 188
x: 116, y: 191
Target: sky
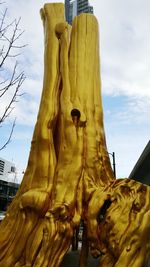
x: 125, y: 65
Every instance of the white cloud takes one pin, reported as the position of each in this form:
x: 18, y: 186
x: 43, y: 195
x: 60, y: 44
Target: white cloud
x: 125, y: 46
x: 134, y: 111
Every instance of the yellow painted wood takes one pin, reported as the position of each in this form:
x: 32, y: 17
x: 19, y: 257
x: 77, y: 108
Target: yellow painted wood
x: 69, y: 175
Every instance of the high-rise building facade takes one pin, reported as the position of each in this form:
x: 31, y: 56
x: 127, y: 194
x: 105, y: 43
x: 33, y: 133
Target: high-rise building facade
x: 76, y: 7
x: 8, y: 186
x: 84, y: 7
x: 67, y: 7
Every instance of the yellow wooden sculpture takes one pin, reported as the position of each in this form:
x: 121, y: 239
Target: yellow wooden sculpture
x: 69, y: 177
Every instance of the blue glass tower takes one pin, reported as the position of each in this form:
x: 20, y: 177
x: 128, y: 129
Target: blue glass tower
x: 76, y: 7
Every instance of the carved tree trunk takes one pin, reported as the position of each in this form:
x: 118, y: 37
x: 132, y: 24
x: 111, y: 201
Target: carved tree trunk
x: 69, y: 177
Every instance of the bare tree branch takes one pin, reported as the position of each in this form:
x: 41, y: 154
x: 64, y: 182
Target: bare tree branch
x: 3, y: 82
x: 2, y: 21
x: 10, y: 136
x: 10, y: 107
x: 16, y: 34
x: 11, y: 79
x: 3, y: 28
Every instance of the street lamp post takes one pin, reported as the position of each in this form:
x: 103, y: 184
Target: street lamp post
x: 113, y: 163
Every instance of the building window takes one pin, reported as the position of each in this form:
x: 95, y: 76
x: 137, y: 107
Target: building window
x: 2, y: 164
x: 12, y: 169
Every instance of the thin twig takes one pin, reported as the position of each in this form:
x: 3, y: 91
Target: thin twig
x: 10, y: 136
x: 12, y: 81
x: 9, y: 108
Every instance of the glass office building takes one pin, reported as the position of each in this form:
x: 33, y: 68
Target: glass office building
x: 76, y: 7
